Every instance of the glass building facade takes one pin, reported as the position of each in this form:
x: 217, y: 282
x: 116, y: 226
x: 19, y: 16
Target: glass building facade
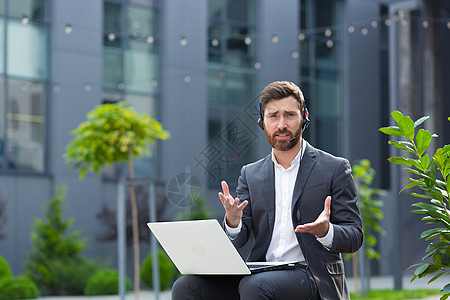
x: 23, y: 85
x: 131, y: 61
x: 230, y: 80
x: 320, y: 70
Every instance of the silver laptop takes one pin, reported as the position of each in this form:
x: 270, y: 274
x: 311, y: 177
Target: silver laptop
x: 202, y: 247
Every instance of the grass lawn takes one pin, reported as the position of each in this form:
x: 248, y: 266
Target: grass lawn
x: 395, y: 295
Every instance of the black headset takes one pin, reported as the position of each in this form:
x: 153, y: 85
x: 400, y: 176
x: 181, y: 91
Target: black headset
x: 305, y: 116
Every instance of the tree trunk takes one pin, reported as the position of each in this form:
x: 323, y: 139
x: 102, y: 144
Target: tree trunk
x: 134, y: 214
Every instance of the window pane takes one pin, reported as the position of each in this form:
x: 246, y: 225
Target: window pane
x: 112, y: 67
x: 143, y: 2
x: 240, y: 10
x: 144, y: 166
x: 215, y: 79
x: 239, y: 87
x: 326, y: 56
x: 112, y: 21
x: 26, y: 125
x: 34, y: 9
x: 2, y: 45
x: 327, y: 135
x: 215, y: 9
x: 141, y: 22
x: 27, y: 50
x: 140, y: 70
x: 327, y: 94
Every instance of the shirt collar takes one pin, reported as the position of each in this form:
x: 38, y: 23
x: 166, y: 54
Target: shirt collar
x: 297, y: 158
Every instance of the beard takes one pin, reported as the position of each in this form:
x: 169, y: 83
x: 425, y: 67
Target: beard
x: 284, y: 145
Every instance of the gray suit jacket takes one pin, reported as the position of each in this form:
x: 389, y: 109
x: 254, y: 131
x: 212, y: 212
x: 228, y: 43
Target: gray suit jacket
x: 320, y: 174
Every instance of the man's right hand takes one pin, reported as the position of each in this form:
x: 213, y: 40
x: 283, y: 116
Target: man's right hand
x: 233, y: 209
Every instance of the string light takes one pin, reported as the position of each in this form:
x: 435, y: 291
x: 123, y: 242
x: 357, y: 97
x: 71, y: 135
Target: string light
x: 155, y: 83
x: 25, y: 20
x: 425, y: 24
x: 257, y: 65
x: 150, y: 39
x: 294, y: 54
x: 275, y: 39
x: 111, y: 37
x: 215, y: 42
x: 56, y: 88
x: 387, y: 22
x: 88, y: 87
x: 364, y: 31
x: 247, y: 40
x: 328, y: 32
x: 301, y: 37
x: 183, y: 41
x: 404, y: 22
x: 351, y: 29
x: 374, y: 24
x: 121, y: 86
x: 68, y: 29
x: 330, y: 44
x: 187, y: 78
x: 395, y: 18
x: 448, y: 25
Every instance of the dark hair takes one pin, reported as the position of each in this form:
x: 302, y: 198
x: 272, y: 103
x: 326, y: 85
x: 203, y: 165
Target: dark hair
x: 278, y: 90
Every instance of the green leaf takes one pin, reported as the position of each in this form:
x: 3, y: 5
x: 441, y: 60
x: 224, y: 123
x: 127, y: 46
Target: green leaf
x: 399, y: 160
x: 431, y: 232
x: 420, y: 121
x: 423, y: 139
x: 446, y: 288
x: 397, y: 115
x: 391, y: 130
x: 406, y: 125
x: 401, y: 146
x: 421, y: 268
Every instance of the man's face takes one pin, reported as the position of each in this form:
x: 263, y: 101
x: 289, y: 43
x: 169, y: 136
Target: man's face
x: 282, y: 121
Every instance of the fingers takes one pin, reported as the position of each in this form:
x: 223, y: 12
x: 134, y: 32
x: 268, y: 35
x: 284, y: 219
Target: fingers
x: 226, y: 190
x: 327, y: 205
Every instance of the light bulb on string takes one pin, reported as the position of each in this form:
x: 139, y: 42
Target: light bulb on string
x: 301, y: 37
x: 404, y: 22
x: 351, y: 29
x: 247, y: 40
x: 215, y: 42
x: 257, y: 65
x: 364, y: 31
x: 387, y: 22
x: 330, y: 43
x: 111, y: 37
x: 328, y: 32
x: 68, y: 29
x: 155, y: 83
x: 425, y: 24
x: 294, y: 54
x: 25, y: 20
x: 187, y: 78
x: 183, y: 41
x: 374, y: 24
x: 275, y: 39
x: 448, y: 25
x: 395, y: 18
x: 150, y: 39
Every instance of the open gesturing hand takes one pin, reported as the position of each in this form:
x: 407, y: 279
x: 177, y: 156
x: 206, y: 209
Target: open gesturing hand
x: 320, y: 226
x: 233, y: 209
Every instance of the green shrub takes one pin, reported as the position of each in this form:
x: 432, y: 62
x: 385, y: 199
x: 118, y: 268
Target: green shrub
x: 5, y: 271
x: 166, y: 271
x: 20, y: 287
x: 52, y: 241
x: 73, y: 275
x: 104, y: 282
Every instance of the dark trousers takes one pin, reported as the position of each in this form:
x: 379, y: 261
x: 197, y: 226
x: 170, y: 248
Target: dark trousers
x: 289, y: 284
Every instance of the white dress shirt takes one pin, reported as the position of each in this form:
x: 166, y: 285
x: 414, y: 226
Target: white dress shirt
x: 284, y: 244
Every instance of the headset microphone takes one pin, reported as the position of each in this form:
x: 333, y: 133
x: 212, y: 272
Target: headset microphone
x: 306, y: 122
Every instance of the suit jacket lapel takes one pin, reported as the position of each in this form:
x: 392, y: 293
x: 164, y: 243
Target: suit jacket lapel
x: 306, y: 165
x: 268, y: 173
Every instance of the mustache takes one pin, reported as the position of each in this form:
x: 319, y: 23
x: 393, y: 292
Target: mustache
x: 282, y: 132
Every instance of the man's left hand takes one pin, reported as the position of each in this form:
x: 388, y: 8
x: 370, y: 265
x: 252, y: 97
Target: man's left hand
x: 320, y: 226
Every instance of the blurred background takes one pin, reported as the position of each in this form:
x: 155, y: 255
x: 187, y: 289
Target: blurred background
x: 197, y: 67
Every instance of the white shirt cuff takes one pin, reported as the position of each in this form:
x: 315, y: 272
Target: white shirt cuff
x: 233, y: 232
x: 327, y: 240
